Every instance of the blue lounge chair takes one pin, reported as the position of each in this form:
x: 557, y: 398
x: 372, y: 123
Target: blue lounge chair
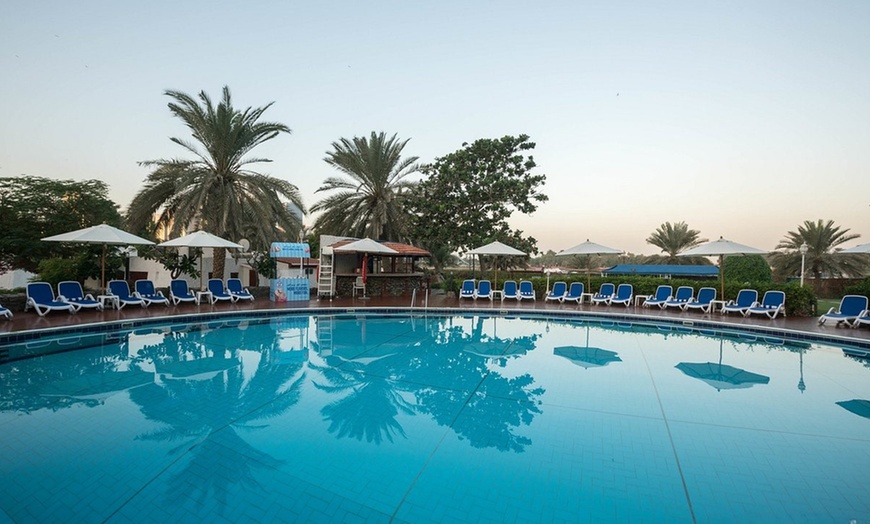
x: 575, y: 293
x: 180, y: 292
x: 40, y: 297
x: 623, y: 295
x: 484, y: 290
x: 851, y: 307
x: 218, y: 292
x: 527, y: 290
x: 71, y: 292
x: 745, y: 299
x: 772, y: 303
x: 605, y: 293
x: 6, y: 313
x: 121, y: 289
x: 509, y: 290
x: 863, y: 318
x: 683, y: 296
x: 662, y: 295
x: 560, y: 289
x: 467, y: 290
x: 145, y: 290
x: 706, y: 296
x: 234, y: 286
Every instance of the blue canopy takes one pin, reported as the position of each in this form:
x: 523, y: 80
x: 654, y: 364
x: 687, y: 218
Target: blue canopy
x: 289, y: 250
x: 669, y: 270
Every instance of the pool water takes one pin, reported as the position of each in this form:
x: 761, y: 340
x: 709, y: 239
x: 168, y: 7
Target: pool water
x: 471, y: 418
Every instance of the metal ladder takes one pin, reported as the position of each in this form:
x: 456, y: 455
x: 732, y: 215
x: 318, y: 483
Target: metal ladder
x: 326, y: 280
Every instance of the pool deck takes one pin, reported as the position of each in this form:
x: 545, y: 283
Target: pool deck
x: 27, y: 321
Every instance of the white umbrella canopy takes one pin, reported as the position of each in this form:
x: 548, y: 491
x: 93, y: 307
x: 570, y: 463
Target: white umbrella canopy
x: 863, y: 248
x: 100, y: 234
x: 496, y: 249
x: 366, y: 245
x: 587, y: 248
x: 200, y: 239
x: 721, y: 248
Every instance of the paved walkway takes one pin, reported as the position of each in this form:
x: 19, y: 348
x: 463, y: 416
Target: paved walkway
x: 31, y: 321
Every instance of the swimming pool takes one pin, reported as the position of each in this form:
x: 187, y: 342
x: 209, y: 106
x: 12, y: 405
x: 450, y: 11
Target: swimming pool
x: 447, y: 418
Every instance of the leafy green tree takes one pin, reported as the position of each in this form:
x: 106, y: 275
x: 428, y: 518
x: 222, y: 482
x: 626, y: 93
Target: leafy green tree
x: 749, y: 268
x: 371, y: 202
x: 823, y: 240
x: 673, y: 239
x: 217, y: 191
x: 469, y: 195
x: 34, y: 207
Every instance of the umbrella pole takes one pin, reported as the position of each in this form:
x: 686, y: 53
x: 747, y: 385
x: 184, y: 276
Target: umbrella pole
x: 103, y: 272
x: 722, y: 276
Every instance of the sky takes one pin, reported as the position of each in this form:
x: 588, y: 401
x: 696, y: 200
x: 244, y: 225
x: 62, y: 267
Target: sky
x: 741, y: 118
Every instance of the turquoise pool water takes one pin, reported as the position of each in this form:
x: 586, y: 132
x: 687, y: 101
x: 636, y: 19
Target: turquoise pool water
x: 471, y: 418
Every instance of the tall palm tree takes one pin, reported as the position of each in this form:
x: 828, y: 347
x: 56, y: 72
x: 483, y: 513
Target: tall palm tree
x: 673, y: 239
x: 216, y: 191
x: 822, y: 239
x: 371, y: 202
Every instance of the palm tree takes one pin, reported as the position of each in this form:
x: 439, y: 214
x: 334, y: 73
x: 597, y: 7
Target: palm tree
x: 673, y: 239
x: 216, y: 191
x: 371, y: 202
x: 822, y: 258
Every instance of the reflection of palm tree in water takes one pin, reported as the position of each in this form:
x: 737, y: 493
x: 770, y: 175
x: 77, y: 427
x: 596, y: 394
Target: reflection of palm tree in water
x: 369, y: 409
x: 205, y: 415
x: 373, y: 402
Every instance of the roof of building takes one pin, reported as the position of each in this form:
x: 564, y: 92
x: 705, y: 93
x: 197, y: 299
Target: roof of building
x: 663, y: 269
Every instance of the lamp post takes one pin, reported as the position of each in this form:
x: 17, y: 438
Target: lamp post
x: 803, y: 249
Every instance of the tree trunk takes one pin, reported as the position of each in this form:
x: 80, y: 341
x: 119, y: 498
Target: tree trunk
x: 218, y: 262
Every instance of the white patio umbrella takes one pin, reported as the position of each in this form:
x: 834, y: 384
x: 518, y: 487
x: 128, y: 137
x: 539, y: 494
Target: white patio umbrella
x: 366, y: 246
x: 588, y: 248
x: 200, y: 239
x: 101, y: 234
x: 721, y: 248
x: 496, y: 249
x: 863, y: 248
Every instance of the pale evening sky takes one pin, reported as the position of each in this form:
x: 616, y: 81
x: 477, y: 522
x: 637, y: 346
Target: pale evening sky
x: 741, y: 118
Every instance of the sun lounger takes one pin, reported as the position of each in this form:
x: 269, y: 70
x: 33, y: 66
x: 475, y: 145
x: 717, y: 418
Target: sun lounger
x: 145, y: 290
x: 40, y: 297
x: 851, y: 307
x: 71, y: 292
x: 772, y: 303
x: 484, y: 290
x: 745, y: 299
x: 527, y: 290
x: 560, y: 289
x: 623, y: 296
x: 605, y: 293
x: 6, y: 313
x: 683, y: 296
x: 575, y: 293
x: 662, y: 295
x: 706, y: 296
x: 218, y: 292
x: 180, y: 292
x: 467, y: 290
x: 509, y: 290
x: 121, y: 289
x: 234, y: 286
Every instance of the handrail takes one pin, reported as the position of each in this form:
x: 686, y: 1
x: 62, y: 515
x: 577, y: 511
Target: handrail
x: 413, y: 297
